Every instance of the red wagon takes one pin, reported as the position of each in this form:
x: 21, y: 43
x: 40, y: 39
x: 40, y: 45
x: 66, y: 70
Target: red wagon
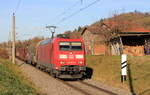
x: 21, y: 53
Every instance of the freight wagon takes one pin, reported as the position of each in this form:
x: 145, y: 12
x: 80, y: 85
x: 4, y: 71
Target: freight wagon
x: 21, y: 53
x: 31, y: 55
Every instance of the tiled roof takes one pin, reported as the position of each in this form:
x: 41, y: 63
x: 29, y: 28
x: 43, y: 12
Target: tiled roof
x: 129, y: 26
x: 126, y: 27
x: 94, y: 29
x: 136, y: 29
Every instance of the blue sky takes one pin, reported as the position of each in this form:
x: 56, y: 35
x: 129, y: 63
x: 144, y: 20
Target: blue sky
x: 34, y: 15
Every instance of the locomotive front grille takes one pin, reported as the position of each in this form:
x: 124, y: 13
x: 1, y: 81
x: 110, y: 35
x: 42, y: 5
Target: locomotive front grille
x: 72, y: 68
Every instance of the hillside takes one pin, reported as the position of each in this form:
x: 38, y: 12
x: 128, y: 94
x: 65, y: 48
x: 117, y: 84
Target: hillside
x: 139, y: 18
x: 136, y: 17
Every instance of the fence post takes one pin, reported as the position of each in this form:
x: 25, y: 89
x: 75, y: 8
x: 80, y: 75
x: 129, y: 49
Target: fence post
x: 123, y: 67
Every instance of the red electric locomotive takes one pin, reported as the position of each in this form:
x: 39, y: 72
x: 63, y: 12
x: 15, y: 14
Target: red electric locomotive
x: 63, y: 58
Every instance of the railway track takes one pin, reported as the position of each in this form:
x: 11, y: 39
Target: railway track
x: 98, y: 88
x: 83, y: 87
x: 87, y: 88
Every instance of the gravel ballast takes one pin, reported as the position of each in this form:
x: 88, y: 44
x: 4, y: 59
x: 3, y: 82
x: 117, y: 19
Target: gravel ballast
x: 51, y: 86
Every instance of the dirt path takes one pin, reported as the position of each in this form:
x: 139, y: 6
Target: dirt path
x: 50, y: 86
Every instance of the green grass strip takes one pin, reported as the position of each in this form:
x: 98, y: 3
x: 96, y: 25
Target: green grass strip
x: 12, y: 81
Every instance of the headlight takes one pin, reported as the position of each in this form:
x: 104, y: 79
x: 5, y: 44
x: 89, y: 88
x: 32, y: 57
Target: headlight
x: 62, y: 56
x: 79, y: 56
x: 62, y: 62
x: 80, y: 62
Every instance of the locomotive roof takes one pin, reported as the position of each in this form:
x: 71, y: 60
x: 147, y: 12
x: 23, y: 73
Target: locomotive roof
x: 45, y: 41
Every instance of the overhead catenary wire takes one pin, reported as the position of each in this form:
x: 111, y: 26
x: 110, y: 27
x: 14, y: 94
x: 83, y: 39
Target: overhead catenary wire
x: 18, y: 6
x: 78, y: 11
x: 68, y: 9
x: 81, y: 1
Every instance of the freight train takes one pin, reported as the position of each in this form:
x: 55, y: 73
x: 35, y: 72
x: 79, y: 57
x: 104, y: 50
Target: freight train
x: 61, y: 57
x: 21, y: 53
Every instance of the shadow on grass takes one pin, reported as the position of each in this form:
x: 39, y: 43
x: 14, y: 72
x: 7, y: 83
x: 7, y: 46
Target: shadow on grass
x: 130, y: 80
x: 142, y: 77
x: 20, y: 64
x: 145, y: 91
x: 89, y: 73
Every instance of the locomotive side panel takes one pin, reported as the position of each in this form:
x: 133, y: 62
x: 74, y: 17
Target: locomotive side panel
x: 43, y: 55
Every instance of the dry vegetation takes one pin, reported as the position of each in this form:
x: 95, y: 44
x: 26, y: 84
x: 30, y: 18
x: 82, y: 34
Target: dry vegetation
x: 135, y: 17
x: 107, y: 70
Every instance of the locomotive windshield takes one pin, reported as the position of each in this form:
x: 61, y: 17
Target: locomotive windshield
x: 65, y: 46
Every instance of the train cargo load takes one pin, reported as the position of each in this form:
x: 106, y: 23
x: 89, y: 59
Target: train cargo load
x: 63, y: 58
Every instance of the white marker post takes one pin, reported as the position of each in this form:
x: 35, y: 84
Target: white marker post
x: 123, y: 67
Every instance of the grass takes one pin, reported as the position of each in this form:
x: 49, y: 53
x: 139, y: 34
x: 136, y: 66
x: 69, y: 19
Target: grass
x: 107, y: 70
x: 12, y: 81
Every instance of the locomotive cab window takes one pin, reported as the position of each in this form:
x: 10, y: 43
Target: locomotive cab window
x: 76, y: 46
x: 64, y: 46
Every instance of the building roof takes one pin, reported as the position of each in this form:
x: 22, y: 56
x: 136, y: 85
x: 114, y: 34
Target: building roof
x: 94, y: 29
x: 126, y: 26
x: 136, y: 29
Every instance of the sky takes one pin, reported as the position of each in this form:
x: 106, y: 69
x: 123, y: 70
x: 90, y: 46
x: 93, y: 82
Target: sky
x: 32, y: 16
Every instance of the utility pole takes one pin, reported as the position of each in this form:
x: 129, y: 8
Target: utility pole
x: 9, y: 45
x: 52, y: 29
x: 81, y: 1
x: 13, y: 37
